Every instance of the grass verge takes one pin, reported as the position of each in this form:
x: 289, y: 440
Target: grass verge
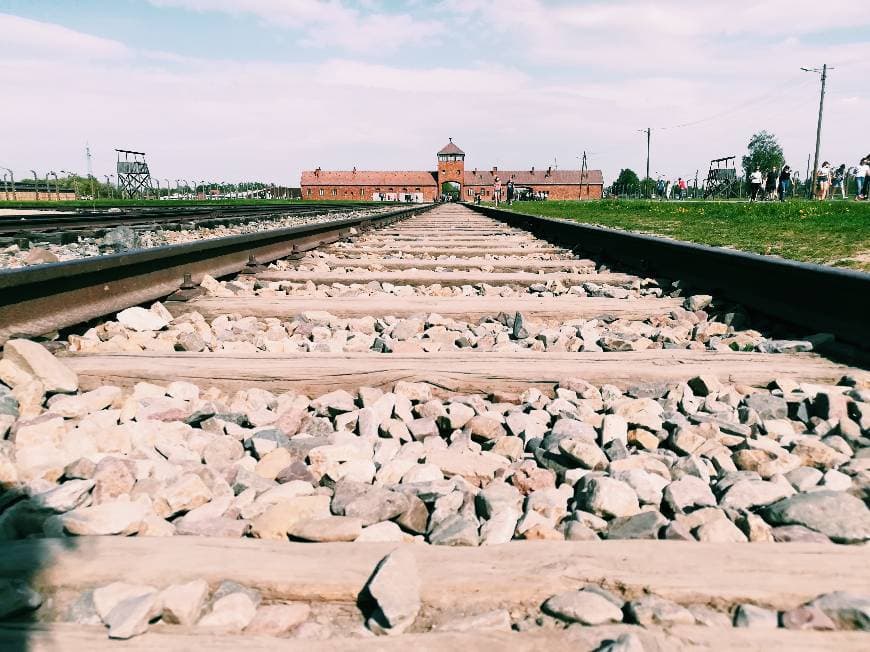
x: 828, y: 233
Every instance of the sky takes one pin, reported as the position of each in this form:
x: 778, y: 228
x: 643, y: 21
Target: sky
x: 232, y: 90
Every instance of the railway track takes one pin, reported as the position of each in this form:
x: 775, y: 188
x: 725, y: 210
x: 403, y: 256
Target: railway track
x: 470, y: 436
x: 203, y: 215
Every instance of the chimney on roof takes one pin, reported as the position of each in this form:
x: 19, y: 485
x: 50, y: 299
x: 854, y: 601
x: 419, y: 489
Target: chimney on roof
x: 549, y: 171
x: 533, y: 169
x: 494, y: 169
x: 354, y: 169
x: 317, y: 171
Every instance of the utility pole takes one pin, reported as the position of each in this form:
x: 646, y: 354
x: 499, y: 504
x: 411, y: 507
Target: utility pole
x: 824, y: 72
x: 647, y: 131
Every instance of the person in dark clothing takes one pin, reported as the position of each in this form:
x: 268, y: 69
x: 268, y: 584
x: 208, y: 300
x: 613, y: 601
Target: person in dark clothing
x: 770, y: 185
x: 784, y: 182
x: 510, y: 192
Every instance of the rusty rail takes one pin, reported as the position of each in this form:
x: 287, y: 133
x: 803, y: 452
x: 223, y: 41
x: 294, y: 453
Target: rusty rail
x: 44, y: 298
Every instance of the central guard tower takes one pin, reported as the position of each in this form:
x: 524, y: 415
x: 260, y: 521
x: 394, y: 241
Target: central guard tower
x: 451, y: 169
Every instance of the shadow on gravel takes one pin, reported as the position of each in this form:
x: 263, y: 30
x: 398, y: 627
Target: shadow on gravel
x: 24, y: 556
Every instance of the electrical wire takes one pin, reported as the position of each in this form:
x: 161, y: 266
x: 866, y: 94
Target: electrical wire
x: 776, y: 93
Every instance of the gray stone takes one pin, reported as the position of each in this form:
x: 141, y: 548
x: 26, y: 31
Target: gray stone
x: 140, y: 319
x: 720, y: 531
x: 375, y: 505
x: 768, y: 405
x: 748, y: 615
x: 395, y: 588
x: 65, y: 497
x: 746, y: 494
x: 585, y: 453
x: 804, y: 477
x: 606, y: 497
x: 840, y: 516
x: 645, y: 525
x: 797, y: 534
x: 183, y: 603
x: 584, y: 607
x: 709, y: 617
x: 415, y: 519
x: 847, y: 610
x: 230, y: 613
x: 653, y: 610
x: 332, y: 528
x: 497, y: 496
x: 455, y: 530
x: 38, y: 361
x: 130, y: 617
x: 686, y: 494
x: 807, y: 617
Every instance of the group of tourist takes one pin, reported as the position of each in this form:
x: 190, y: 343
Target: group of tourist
x: 771, y: 185
x: 667, y: 188
x: 832, y: 180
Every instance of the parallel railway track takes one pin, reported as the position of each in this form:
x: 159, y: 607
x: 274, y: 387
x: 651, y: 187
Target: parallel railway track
x: 507, y: 318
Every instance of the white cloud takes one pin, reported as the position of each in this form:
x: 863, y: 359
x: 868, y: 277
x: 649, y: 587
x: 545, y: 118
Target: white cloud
x: 25, y: 38
x: 327, y: 23
x: 223, y: 119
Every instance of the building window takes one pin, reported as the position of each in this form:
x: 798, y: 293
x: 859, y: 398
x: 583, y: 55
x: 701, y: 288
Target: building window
x: 334, y: 192
x: 309, y: 192
x: 416, y: 190
x: 321, y: 192
x: 362, y: 192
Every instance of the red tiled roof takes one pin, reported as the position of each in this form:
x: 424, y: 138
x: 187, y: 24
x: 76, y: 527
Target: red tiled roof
x: 537, y: 178
x: 451, y: 148
x: 369, y: 178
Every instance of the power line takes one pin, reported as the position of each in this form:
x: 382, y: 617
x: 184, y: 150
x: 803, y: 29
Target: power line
x: 774, y: 94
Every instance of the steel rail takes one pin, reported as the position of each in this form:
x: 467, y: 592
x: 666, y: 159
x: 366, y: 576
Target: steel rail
x: 815, y: 297
x: 44, y: 298
x: 11, y: 224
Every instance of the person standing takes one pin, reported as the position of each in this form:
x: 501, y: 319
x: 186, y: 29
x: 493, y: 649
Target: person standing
x: 862, y: 174
x: 755, y: 180
x: 496, y: 190
x: 824, y: 180
x: 510, y: 192
x: 770, y: 185
x: 784, y: 182
x: 669, y: 188
x: 839, y: 181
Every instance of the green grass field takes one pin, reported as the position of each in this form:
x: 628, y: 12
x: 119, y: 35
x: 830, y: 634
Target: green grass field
x: 829, y: 233
x: 166, y: 203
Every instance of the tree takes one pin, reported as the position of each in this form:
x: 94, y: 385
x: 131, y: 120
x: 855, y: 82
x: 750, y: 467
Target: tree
x: 765, y: 153
x: 627, y: 179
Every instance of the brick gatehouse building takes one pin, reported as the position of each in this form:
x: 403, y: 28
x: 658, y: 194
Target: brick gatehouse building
x: 451, y: 177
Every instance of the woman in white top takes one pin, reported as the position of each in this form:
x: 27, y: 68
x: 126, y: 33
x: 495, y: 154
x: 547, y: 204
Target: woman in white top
x: 824, y: 178
x: 862, y: 171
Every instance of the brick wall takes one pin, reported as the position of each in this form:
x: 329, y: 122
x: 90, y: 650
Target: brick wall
x: 364, y: 193
x: 451, y: 171
x: 30, y: 195
x: 563, y: 192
